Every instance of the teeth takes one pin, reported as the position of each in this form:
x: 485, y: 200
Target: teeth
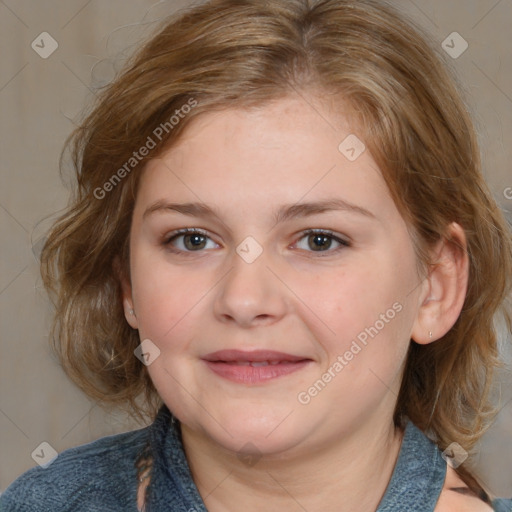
x: 259, y: 363
x: 242, y: 363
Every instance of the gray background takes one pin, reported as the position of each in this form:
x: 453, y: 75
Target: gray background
x: 40, y: 100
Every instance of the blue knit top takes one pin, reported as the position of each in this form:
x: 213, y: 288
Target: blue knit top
x: 103, y: 476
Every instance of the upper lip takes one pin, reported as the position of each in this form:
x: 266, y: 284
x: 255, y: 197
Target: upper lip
x: 253, y: 355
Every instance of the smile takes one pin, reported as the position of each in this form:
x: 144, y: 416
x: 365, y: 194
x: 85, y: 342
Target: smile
x: 253, y: 367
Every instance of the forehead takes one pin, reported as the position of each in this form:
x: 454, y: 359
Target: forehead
x: 287, y: 150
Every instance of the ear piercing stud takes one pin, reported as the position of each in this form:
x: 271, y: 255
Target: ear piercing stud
x: 429, y: 333
x: 132, y: 312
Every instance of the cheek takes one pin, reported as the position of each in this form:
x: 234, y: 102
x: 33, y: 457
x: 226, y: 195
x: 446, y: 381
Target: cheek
x: 165, y: 296
x: 366, y: 316
x: 348, y: 300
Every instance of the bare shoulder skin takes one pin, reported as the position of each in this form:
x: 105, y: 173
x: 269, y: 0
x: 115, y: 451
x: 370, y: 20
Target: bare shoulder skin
x: 457, y: 497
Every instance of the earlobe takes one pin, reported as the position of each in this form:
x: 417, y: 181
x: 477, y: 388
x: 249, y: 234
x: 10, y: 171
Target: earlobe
x: 445, y: 287
x: 126, y: 289
x: 129, y: 312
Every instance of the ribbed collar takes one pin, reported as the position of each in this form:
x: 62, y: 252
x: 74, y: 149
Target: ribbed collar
x: 418, y: 477
x: 415, y: 485
x: 171, y: 487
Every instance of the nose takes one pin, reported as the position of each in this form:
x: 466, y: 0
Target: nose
x: 250, y: 294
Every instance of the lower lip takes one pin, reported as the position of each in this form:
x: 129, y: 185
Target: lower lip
x: 254, y: 374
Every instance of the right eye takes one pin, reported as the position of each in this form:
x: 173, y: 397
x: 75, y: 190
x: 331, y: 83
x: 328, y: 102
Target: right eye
x: 188, y: 240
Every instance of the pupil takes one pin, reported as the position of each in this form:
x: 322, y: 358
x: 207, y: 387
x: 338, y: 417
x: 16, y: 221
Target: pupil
x: 321, y: 241
x: 194, y: 241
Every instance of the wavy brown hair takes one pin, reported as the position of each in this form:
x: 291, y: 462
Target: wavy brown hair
x: 241, y: 53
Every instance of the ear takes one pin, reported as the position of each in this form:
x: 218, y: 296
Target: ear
x: 126, y: 288
x: 445, y: 287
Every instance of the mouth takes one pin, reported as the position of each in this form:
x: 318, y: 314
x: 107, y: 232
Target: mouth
x: 254, y: 367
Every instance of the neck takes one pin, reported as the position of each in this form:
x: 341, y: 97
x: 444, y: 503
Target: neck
x: 343, y: 475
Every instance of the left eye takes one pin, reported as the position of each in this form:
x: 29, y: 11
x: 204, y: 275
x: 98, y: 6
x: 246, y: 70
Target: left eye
x: 322, y: 241
x: 189, y: 241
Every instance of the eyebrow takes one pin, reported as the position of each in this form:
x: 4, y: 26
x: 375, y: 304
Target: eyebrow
x: 283, y: 214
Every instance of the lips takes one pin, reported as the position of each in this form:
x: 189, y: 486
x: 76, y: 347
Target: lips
x: 255, y: 356
x: 255, y: 366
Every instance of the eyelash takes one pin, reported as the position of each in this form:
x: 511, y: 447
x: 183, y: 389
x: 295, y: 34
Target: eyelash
x: 196, y: 231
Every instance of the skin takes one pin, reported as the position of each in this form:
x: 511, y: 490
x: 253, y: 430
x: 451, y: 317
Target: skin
x: 451, y: 500
x: 291, y: 298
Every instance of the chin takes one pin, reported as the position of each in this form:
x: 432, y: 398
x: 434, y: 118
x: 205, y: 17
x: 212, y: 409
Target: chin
x: 257, y: 434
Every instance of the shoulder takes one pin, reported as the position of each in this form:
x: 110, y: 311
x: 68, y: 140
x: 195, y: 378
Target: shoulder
x: 456, y: 495
x: 101, y: 472
x: 502, y: 505
x: 449, y: 501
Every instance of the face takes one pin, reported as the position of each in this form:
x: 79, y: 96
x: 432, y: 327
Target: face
x: 283, y: 315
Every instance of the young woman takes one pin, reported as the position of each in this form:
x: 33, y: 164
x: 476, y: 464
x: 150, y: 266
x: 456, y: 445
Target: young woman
x: 282, y: 248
